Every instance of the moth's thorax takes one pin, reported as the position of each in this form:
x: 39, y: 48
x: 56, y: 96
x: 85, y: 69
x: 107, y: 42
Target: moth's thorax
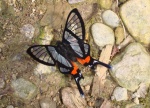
x: 65, y: 50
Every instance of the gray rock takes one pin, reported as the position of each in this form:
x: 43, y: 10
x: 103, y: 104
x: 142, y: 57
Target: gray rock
x: 110, y: 18
x: 47, y: 103
x: 131, y: 67
x: 120, y: 94
x: 27, y: 30
x: 2, y: 83
x: 24, y: 89
x: 102, y: 34
x: 75, y: 1
x: 135, y: 15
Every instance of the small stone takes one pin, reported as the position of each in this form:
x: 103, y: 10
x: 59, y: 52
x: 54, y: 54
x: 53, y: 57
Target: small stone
x: 47, y: 103
x: 119, y: 34
x: 106, y: 4
x: 102, y: 34
x: 24, y: 89
x: 120, y: 94
x: 27, y: 30
x: 110, y: 18
x: 75, y: 1
x: 2, y: 83
x: 72, y: 99
x: 10, y: 106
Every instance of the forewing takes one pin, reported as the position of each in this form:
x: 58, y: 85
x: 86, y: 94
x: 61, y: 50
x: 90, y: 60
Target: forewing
x: 75, y: 25
x: 60, y: 59
x: 41, y: 54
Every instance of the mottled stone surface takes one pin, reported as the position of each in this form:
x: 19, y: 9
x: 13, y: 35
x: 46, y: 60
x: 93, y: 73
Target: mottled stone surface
x: 131, y: 67
x: 24, y: 89
x: 102, y: 34
x: 135, y: 15
x: 110, y: 18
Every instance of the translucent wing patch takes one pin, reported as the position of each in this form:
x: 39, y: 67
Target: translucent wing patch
x: 86, y: 49
x: 58, y: 57
x: 40, y: 53
x: 75, y: 24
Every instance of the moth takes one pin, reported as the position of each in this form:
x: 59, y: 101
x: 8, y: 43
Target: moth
x: 72, y: 48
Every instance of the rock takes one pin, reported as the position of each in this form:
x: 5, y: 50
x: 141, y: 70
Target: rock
x: 24, y: 89
x: 110, y: 18
x: 43, y: 69
x: 47, y: 103
x: 119, y: 34
x: 2, y: 83
x: 120, y: 94
x: 10, y: 106
x: 87, y: 80
x: 27, y: 30
x: 106, y: 4
x: 102, y: 34
x: 135, y: 15
x: 75, y: 1
x: 46, y: 36
x: 131, y: 67
x: 72, y: 99
x: 133, y: 105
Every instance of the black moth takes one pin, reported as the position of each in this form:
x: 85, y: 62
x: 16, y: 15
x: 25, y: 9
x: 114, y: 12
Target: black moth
x: 72, y: 45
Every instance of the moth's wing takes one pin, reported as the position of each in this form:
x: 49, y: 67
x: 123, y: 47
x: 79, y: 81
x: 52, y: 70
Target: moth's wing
x: 75, y: 25
x: 63, y: 63
x: 41, y: 54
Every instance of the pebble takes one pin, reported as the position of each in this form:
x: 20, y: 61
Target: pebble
x: 2, y: 83
x: 110, y: 18
x: 75, y: 1
x: 135, y: 15
x: 47, y: 103
x: 105, y: 4
x: 133, y: 105
x: 102, y: 34
x: 27, y: 30
x: 119, y: 34
x: 120, y: 94
x: 131, y: 67
x: 10, y: 106
x: 24, y: 89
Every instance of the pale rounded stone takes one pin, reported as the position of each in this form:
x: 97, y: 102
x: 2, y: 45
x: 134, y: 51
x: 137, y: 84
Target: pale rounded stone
x: 110, y: 18
x: 136, y: 17
x: 120, y: 94
x: 131, y: 67
x: 102, y: 34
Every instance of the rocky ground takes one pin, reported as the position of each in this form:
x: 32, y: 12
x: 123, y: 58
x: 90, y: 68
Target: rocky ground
x: 118, y: 32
